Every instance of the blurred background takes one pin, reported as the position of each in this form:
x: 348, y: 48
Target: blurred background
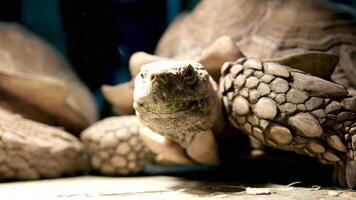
x: 98, y: 37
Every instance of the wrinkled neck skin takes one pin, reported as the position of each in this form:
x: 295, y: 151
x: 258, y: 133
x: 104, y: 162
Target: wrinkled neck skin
x: 181, y: 126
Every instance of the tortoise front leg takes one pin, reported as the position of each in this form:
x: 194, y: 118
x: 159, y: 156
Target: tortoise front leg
x: 291, y: 110
x: 204, y: 148
x: 167, y: 151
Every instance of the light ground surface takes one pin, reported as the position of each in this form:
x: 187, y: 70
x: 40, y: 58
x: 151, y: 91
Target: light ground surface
x: 153, y: 187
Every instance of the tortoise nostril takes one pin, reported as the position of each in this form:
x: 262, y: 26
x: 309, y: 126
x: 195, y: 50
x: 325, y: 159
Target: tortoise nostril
x: 159, y: 78
x: 187, y: 71
x: 189, y: 75
x: 153, y: 77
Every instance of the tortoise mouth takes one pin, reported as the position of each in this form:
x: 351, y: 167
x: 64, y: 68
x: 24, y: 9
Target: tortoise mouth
x: 175, y: 105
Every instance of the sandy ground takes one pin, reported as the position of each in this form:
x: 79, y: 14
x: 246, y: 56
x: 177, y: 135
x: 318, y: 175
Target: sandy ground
x: 159, y: 187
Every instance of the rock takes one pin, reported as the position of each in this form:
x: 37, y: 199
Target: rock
x: 263, y: 89
x: 320, y: 113
x: 313, y: 103
x: 253, y: 64
x: 240, y: 106
x: 266, y: 108
x: 279, y: 85
x: 335, y: 142
x: 235, y: 70
x: 251, y: 82
x: 280, y: 98
x: 315, y: 147
x: 306, y: 124
x: 280, y: 134
x: 332, y: 107
x: 316, y: 86
x: 296, y: 96
x: 267, y: 78
x: 288, y: 108
x: 275, y: 69
x: 330, y: 156
x: 239, y: 81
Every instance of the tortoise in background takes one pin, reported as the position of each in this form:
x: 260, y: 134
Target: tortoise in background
x: 38, y: 93
x: 35, y: 74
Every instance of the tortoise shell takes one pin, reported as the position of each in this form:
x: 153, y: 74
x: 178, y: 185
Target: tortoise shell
x: 35, y: 75
x: 267, y: 29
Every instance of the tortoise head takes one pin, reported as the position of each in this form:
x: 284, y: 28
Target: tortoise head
x: 167, y: 87
x: 176, y: 99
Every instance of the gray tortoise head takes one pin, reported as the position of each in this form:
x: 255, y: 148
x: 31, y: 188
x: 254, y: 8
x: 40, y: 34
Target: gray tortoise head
x: 176, y: 98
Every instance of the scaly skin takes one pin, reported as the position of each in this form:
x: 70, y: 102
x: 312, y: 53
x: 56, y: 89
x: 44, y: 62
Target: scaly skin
x: 290, y: 110
x: 115, y: 146
x: 32, y: 150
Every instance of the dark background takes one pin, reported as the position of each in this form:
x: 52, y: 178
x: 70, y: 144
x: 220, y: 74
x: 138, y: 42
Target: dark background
x: 98, y: 36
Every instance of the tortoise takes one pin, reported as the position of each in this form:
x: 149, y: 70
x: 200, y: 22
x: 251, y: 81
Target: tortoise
x: 261, y: 32
x: 39, y: 94
x: 101, y: 158
x: 283, y: 107
x: 262, y: 29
